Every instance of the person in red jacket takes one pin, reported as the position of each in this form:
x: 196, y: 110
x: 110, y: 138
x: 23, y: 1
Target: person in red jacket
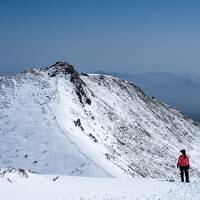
x: 183, y: 164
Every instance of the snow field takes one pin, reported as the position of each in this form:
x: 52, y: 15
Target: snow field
x: 51, y: 187
x: 48, y: 187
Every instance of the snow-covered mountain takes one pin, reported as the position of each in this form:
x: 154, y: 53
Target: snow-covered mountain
x: 56, y: 121
x: 183, y: 90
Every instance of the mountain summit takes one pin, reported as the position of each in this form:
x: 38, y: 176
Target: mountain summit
x: 54, y: 120
x: 61, y: 68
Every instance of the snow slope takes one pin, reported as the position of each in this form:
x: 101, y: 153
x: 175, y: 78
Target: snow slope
x: 17, y: 186
x: 55, y: 121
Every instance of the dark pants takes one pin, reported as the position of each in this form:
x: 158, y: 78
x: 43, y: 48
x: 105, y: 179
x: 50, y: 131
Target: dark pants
x: 184, y: 172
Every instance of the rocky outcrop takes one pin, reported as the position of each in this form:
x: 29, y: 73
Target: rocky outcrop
x: 61, y: 68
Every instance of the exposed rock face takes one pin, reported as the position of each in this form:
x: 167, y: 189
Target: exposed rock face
x: 54, y: 120
x: 60, y: 68
x: 63, y: 68
x: 8, y: 173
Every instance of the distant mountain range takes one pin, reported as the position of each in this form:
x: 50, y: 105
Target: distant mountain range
x: 180, y: 91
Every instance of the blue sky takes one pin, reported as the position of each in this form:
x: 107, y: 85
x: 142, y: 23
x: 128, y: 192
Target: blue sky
x: 111, y: 35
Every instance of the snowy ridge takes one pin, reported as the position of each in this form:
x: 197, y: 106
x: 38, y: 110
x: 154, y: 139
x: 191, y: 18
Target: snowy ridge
x: 55, y: 121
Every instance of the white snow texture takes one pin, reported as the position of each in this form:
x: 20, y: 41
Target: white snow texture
x: 55, y: 121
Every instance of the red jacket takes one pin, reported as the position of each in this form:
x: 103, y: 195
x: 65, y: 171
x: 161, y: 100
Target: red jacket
x: 183, y: 161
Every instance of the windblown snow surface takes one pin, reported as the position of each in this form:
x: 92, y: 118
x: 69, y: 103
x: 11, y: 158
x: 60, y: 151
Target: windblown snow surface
x: 21, y: 185
x: 55, y: 121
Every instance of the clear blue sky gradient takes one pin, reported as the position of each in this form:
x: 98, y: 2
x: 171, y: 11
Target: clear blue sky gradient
x: 110, y: 35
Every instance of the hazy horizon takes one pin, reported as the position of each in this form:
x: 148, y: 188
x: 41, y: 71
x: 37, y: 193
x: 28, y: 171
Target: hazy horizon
x: 124, y: 36
x: 4, y: 72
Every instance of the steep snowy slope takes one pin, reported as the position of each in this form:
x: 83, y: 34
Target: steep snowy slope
x: 55, y: 121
